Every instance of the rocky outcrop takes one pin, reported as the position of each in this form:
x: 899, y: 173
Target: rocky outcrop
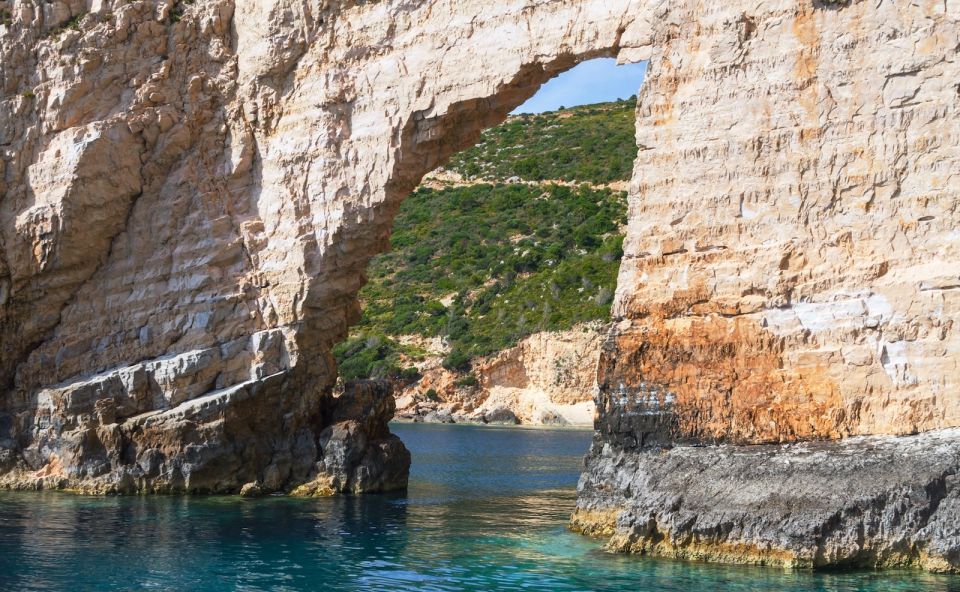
x: 868, y: 501
x: 791, y: 261
x: 357, y: 452
x: 549, y: 378
x: 191, y: 192
x: 790, y: 274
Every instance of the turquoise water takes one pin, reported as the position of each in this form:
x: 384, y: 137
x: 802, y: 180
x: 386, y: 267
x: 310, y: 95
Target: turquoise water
x: 486, y: 511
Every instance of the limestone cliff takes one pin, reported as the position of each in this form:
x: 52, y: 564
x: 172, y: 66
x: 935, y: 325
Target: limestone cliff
x: 549, y: 378
x: 790, y: 275
x: 191, y: 192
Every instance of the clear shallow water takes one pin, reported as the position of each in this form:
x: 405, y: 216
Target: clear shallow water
x: 486, y: 510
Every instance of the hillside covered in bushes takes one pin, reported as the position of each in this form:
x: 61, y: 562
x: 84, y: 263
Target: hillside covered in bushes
x: 485, y: 262
x: 594, y: 144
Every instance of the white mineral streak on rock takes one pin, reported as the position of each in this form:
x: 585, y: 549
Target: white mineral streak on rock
x: 791, y: 250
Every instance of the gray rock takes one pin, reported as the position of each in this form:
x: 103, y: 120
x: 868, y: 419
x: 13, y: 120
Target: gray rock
x: 502, y: 416
x: 438, y: 417
x: 358, y: 454
x: 868, y: 501
x: 552, y: 419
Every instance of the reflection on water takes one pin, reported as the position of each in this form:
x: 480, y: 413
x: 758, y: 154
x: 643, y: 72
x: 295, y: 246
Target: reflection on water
x: 486, y: 511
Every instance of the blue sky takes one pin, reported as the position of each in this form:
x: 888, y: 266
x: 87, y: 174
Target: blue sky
x: 596, y: 81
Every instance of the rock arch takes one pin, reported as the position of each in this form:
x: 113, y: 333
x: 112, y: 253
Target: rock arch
x: 183, y: 345
x: 790, y: 269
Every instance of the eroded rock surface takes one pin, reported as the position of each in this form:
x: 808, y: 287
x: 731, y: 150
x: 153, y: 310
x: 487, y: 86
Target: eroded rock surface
x: 191, y: 192
x: 792, y: 260
x: 549, y: 378
x: 790, y: 275
x: 869, y: 501
x: 357, y: 452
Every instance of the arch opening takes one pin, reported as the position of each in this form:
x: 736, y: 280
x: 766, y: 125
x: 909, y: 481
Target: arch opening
x: 491, y: 302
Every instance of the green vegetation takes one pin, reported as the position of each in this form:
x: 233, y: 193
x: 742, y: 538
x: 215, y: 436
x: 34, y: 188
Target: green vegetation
x: 368, y: 355
x: 73, y: 24
x: 594, y: 144
x: 468, y: 380
x: 485, y: 265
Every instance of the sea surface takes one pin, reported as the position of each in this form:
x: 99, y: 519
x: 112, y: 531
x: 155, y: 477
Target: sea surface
x: 486, y: 510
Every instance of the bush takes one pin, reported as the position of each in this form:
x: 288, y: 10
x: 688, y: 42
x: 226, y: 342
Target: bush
x: 596, y: 144
x: 519, y: 258
x: 372, y: 356
x: 432, y: 395
x: 456, y: 360
x: 468, y: 380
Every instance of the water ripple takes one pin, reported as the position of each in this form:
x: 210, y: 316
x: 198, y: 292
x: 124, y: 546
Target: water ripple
x: 486, y: 511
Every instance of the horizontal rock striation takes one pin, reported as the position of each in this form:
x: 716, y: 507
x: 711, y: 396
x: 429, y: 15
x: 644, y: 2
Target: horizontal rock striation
x: 792, y: 264
x: 790, y: 276
x: 191, y: 192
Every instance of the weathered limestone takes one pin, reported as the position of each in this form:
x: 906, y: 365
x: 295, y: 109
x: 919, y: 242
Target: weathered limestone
x: 357, y: 452
x: 790, y: 275
x: 867, y: 501
x: 191, y: 192
x: 792, y: 257
x: 548, y: 378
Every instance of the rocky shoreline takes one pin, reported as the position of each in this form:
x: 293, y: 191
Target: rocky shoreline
x: 345, y: 447
x: 871, y: 501
x: 549, y: 378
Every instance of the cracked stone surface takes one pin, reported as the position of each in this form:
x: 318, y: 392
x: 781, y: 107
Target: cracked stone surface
x: 868, y: 501
x: 191, y: 194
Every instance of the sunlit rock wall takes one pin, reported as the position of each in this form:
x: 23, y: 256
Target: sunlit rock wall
x: 792, y: 263
x: 191, y: 193
x: 786, y: 309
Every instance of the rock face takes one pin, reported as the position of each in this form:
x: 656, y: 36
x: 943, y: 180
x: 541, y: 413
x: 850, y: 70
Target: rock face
x: 549, y: 378
x: 792, y: 263
x: 191, y: 192
x: 791, y: 275
x: 868, y: 501
x: 358, y: 454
